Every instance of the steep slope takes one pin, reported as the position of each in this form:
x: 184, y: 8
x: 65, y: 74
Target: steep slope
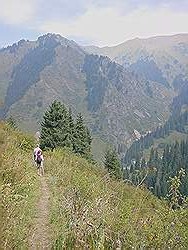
x: 163, y: 153
x: 166, y: 56
x: 90, y: 209
x: 175, y: 128
x: 85, y: 208
x: 49, y: 71
x: 19, y: 188
x: 120, y: 101
x: 113, y: 100
x: 9, y: 57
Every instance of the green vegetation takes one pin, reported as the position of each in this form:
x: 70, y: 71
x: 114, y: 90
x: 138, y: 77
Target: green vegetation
x: 19, y: 187
x: 59, y: 130
x: 177, y: 122
x: 160, y: 155
x: 45, y: 70
x: 159, y: 169
x: 81, y: 138
x: 176, y: 198
x: 160, y: 143
x: 55, y: 127
x: 112, y: 163
x: 91, y: 207
x: 87, y: 207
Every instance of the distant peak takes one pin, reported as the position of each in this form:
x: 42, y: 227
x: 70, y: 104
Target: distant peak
x: 58, y: 38
x: 50, y: 35
x: 13, y: 48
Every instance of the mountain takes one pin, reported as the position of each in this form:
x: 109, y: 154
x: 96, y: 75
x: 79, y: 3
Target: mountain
x: 161, y: 59
x: 174, y: 129
x: 115, y: 101
x: 37, y: 76
x: 76, y: 204
x: 163, y: 153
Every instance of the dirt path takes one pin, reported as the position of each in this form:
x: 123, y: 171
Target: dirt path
x: 40, y: 236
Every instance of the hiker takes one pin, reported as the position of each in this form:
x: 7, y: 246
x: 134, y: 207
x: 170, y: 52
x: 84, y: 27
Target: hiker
x: 39, y: 159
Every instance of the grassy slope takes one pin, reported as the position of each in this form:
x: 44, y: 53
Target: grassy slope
x: 88, y: 209
x: 19, y: 186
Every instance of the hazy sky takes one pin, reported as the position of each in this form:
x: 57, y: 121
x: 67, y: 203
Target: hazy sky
x: 98, y: 22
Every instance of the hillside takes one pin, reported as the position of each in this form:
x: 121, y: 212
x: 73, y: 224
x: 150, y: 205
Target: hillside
x: 19, y: 188
x: 162, y: 58
x: 86, y: 208
x: 114, y: 100
x: 160, y: 143
x: 162, y: 154
x: 174, y: 129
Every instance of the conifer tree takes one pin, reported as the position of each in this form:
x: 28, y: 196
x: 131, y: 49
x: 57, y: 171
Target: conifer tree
x: 54, y: 130
x: 82, y: 138
x: 59, y: 130
x: 112, y: 163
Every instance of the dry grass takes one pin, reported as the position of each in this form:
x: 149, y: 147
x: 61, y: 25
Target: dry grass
x: 91, y: 211
x: 19, y: 188
x: 88, y: 210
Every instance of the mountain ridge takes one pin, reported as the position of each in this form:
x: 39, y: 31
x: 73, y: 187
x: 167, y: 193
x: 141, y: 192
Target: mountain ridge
x: 115, y: 99
x: 174, y: 37
x: 170, y: 53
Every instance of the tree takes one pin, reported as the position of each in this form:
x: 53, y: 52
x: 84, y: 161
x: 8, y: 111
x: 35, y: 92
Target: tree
x: 59, y: 130
x: 175, y: 196
x: 112, y: 163
x: 82, y: 138
x: 54, y: 130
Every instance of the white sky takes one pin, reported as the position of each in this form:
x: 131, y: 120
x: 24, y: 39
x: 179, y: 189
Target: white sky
x: 107, y: 27
x: 99, y: 22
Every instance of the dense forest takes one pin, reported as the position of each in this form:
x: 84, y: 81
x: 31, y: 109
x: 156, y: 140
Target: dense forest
x: 156, y: 172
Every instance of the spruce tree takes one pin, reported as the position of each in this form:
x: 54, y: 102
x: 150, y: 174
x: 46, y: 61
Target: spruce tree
x: 54, y: 129
x: 112, y: 163
x: 82, y: 138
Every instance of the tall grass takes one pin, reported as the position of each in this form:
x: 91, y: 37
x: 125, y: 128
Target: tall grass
x: 19, y: 187
x: 91, y: 211
x: 88, y: 209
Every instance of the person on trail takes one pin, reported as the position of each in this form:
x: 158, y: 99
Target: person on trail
x: 35, y: 151
x: 39, y: 159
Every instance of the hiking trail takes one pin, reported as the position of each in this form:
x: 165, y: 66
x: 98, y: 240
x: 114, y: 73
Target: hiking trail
x: 40, y: 235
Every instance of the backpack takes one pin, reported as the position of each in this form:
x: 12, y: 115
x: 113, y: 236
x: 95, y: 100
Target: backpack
x: 39, y: 157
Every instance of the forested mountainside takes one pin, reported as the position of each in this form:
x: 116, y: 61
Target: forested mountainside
x: 77, y: 204
x: 162, y: 153
x: 114, y: 100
